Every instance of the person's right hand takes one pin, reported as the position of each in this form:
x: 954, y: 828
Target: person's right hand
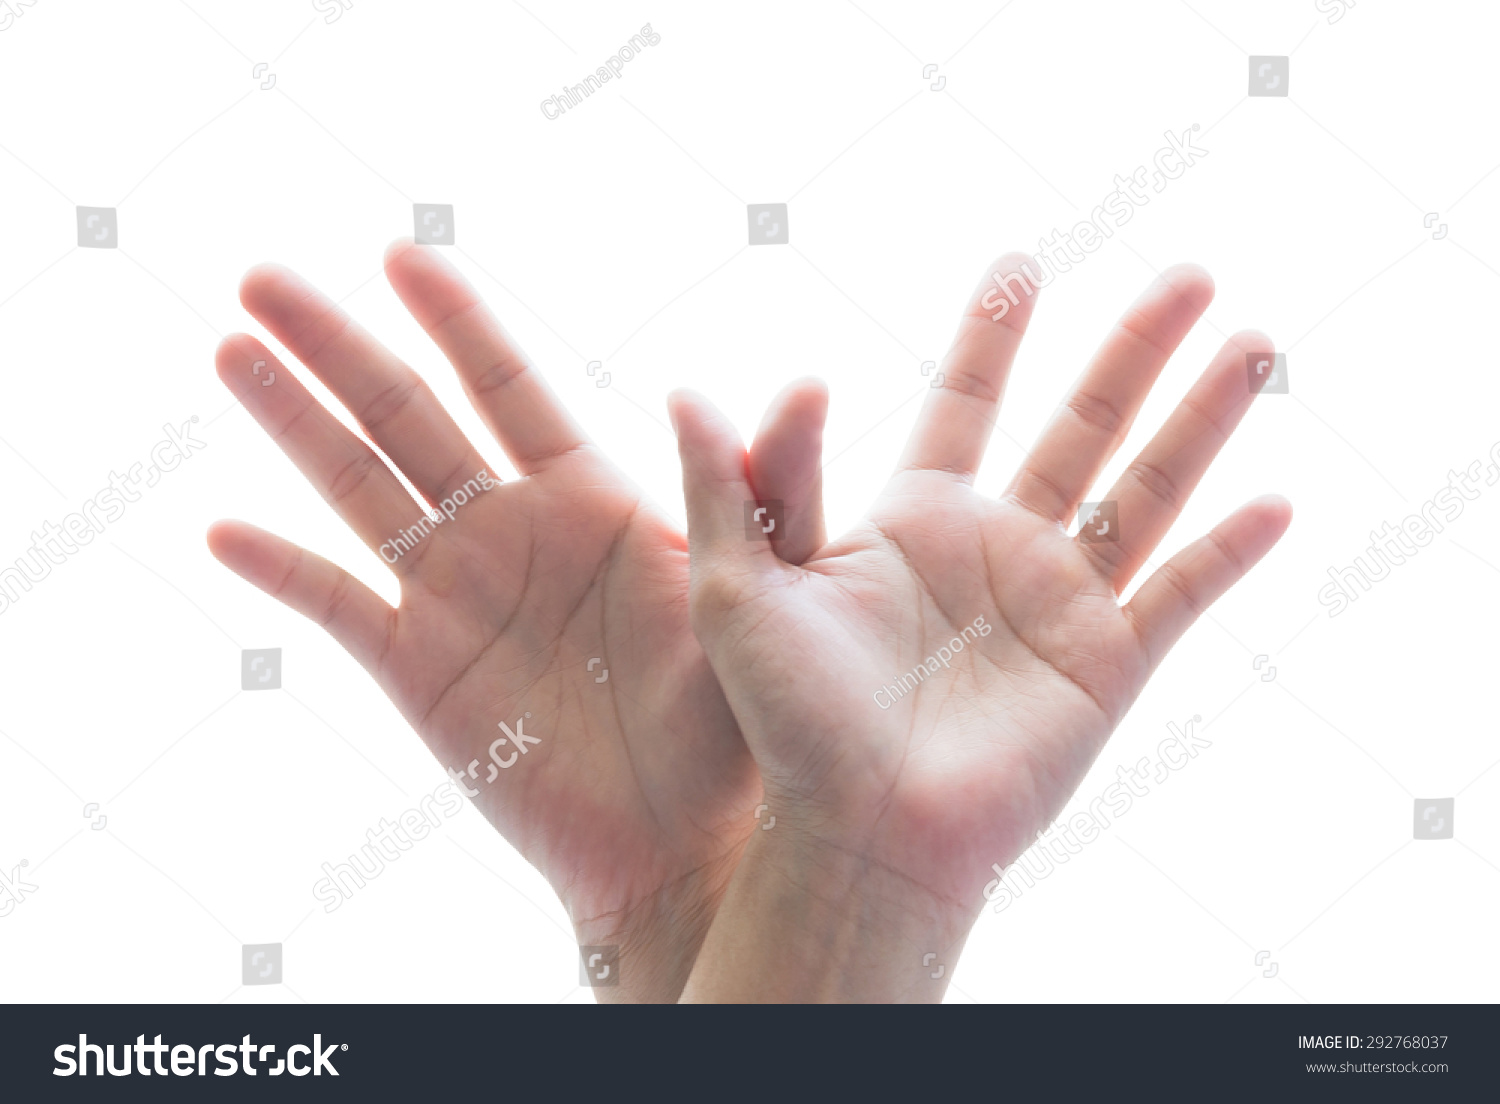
x: 637, y: 800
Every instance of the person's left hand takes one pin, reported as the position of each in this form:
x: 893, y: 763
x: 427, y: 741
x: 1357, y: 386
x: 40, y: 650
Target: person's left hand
x: 925, y: 693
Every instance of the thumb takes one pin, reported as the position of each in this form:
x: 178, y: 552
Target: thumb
x: 728, y: 529
x: 784, y: 465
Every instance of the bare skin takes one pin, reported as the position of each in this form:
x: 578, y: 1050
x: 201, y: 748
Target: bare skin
x: 637, y: 800
x: 892, y: 809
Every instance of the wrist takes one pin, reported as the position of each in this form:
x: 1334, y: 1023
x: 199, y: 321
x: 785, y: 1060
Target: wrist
x: 810, y: 918
x: 650, y: 945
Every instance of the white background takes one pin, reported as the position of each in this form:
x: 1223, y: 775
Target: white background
x: 618, y: 233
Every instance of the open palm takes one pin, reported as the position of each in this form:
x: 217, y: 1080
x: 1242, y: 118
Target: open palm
x: 930, y: 689
x: 555, y: 605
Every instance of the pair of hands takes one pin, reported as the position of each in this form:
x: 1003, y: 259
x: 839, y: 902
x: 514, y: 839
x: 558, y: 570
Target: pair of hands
x: 744, y: 672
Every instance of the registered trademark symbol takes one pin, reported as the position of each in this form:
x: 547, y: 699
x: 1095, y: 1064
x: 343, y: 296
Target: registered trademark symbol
x: 344, y: 1047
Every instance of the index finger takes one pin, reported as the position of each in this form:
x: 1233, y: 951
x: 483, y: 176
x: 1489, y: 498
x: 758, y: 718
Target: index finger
x: 509, y: 393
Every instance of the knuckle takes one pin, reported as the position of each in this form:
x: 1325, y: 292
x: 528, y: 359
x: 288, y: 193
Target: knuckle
x: 1157, y: 482
x: 1096, y: 413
